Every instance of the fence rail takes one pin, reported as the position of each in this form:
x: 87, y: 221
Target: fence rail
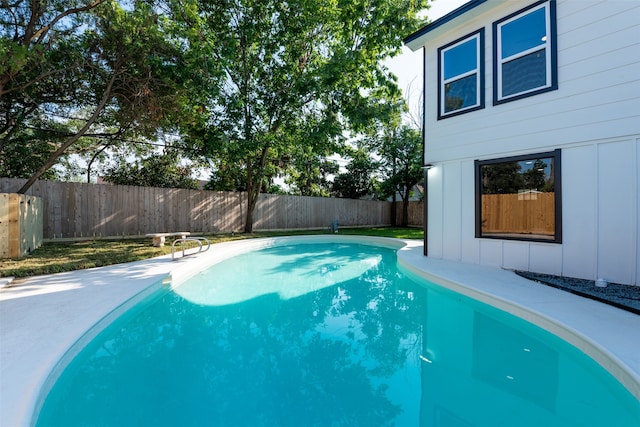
x: 79, y: 210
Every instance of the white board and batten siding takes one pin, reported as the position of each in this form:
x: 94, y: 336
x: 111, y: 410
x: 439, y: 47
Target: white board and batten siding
x: 593, y: 116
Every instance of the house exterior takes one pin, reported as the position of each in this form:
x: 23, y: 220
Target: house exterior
x: 531, y: 131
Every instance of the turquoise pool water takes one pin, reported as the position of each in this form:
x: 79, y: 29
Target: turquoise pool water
x: 328, y: 335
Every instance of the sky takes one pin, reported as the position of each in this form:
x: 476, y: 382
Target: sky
x: 408, y: 65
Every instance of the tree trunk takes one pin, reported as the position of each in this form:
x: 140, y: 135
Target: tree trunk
x: 405, y: 207
x: 254, y: 185
x: 394, y: 204
x: 93, y: 158
x: 252, y: 201
x: 394, y: 210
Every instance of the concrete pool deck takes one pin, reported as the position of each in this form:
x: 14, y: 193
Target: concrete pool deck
x: 42, y: 318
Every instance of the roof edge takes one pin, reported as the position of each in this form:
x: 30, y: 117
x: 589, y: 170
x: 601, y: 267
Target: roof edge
x: 440, y: 21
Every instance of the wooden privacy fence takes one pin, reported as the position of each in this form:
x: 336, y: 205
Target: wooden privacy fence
x: 20, y: 224
x: 415, y: 215
x: 518, y: 213
x: 77, y: 210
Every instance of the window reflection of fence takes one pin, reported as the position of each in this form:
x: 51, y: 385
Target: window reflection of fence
x: 518, y: 213
x: 78, y: 210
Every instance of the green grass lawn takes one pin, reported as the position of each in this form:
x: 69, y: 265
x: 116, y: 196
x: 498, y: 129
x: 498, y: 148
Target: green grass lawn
x: 68, y: 256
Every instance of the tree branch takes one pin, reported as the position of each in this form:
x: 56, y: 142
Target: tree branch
x: 33, y: 81
x: 54, y: 156
x: 39, y: 35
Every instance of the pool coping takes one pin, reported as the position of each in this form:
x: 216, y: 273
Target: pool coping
x: 45, y: 319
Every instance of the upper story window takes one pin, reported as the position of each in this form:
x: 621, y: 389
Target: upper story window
x: 461, y: 75
x: 525, y: 53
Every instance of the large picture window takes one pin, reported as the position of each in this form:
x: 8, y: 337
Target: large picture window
x: 461, y: 75
x: 525, y: 53
x: 519, y: 198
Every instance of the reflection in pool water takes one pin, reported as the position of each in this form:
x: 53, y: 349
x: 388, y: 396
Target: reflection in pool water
x: 328, y: 335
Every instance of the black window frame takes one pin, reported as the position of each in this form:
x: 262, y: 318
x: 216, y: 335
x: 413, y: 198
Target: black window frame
x: 556, y: 155
x: 480, y: 75
x: 552, y: 55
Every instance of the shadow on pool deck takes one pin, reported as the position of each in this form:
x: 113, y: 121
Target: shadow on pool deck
x: 626, y: 297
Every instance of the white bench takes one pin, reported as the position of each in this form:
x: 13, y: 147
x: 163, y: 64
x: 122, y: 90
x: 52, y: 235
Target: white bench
x: 159, y: 238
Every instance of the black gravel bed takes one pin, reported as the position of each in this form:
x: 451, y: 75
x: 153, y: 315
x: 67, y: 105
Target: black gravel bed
x: 626, y: 297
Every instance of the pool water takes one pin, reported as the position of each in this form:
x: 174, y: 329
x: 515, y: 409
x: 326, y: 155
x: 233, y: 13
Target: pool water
x: 328, y: 335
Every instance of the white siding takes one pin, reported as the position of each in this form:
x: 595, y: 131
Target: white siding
x: 616, y: 212
x: 470, y: 245
x: 516, y: 256
x: 599, y: 87
x: 545, y: 258
x: 637, y: 170
x: 594, y: 117
x: 579, y: 205
x: 491, y: 252
x: 601, y: 182
x: 452, y: 221
x: 434, y: 212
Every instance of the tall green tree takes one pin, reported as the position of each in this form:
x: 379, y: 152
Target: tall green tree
x: 358, y: 181
x: 400, y: 150
x: 289, y: 64
x: 39, y: 71
x: 309, y: 174
x: 158, y: 170
x: 307, y: 167
x: 227, y: 177
x: 91, y: 65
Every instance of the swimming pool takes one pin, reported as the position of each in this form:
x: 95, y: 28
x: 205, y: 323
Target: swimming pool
x: 332, y: 334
